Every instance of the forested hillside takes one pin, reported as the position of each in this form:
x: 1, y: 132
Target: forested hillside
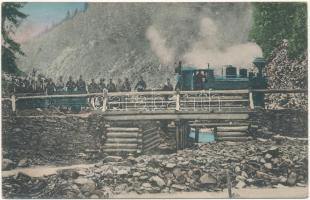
x: 281, y: 31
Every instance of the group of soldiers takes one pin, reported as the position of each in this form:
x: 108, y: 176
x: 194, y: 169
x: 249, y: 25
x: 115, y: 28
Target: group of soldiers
x: 41, y: 84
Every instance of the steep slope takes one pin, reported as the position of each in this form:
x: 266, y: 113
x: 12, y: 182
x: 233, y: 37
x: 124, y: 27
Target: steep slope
x: 129, y: 39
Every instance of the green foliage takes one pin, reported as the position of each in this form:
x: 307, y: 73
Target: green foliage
x: 274, y: 22
x: 11, y: 19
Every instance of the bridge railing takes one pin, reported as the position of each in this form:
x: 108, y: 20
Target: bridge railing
x: 207, y: 100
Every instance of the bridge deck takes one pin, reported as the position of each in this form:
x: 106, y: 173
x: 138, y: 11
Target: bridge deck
x: 175, y: 115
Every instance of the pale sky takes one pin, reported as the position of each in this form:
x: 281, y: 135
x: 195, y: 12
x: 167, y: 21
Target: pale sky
x: 43, y: 15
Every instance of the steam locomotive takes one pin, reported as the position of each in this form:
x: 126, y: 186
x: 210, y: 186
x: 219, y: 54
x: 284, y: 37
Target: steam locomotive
x: 187, y: 78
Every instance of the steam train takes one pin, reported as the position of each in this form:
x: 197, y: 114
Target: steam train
x: 185, y: 81
x: 187, y: 78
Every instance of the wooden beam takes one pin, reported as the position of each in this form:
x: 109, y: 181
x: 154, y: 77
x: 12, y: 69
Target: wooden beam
x: 223, y: 116
x: 280, y: 90
x: 13, y: 101
x: 251, y: 100
x: 177, y: 130
x: 219, y: 124
x: 196, y: 135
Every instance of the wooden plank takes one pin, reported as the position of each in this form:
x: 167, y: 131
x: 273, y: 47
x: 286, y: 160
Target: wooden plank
x: 205, y: 98
x: 157, y: 141
x: 148, y: 136
x: 150, y: 130
x: 280, y: 90
x: 231, y: 134
x: 13, y: 101
x: 234, y: 128
x: 206, y: 116
x: 251, y: 100
x: 122, y: 134
x: 122, y: 129
x: 151, y: 147
x: 155, y: 137
x: 177, y: 130
x: 218, y: 124
x: 163, y: 112
x: 120, y: 150
x: 123, y: 140
x: 196, y: 135
x: 120, y: 146
x: 234, y: 138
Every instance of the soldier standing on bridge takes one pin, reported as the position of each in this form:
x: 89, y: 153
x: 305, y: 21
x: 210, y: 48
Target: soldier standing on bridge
x: 126, y: 86
x: 81, y: 85
x: 92, y: 88
x: 141, y: 85
x: 70, y: 85
x: 50, y: 87
x: 168, y: 86
x: 102, y: 85
x: 119, y: 85
x: 60, y: 85
x: 111, y: 86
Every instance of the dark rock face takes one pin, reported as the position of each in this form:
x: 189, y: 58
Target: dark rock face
x: 202, y: 168
x: 286, y: 122
x: 40, y: 140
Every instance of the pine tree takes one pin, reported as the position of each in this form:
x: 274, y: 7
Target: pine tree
x: 85, y: 6
x: 68, y: 15
x: 11, y: 19
x: 75, y: 12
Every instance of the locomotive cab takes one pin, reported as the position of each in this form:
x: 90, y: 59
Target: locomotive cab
x: 192, y: 78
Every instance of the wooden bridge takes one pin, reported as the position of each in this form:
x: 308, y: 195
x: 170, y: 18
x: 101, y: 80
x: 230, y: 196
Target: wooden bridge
x: 206, y: 108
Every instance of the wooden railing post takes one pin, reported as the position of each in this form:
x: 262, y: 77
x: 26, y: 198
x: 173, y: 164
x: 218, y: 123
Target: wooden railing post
x: 105, y: 100
x: 251, y: 100
x: 177, y: 103
x: 13, y: 101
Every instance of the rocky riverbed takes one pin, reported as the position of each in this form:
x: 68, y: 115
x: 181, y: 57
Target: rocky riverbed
x: 262, y: 163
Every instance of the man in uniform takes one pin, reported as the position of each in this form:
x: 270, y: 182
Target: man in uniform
x: 199, y: 78
x: 50, y: 87
x: 92, y: 87
x: 102, y: 85
x: 119, y: 85
x: 168, y: 86
x: 81, y: 85
x: 141, y: 85
x: 126, y: 86
x: 60, y: 85
x: 70, y: 85
x: 111, y: 86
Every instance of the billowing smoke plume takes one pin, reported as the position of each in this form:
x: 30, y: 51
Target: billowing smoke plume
x: 207, y: 49
x: 204, y: 33
x: 158, y: 46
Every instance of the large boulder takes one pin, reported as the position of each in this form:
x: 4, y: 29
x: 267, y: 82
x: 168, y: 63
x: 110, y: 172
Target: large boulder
x: 207, y: 179
x: 158, y: 181
x: 86, y: 185
x: 7, y: 164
